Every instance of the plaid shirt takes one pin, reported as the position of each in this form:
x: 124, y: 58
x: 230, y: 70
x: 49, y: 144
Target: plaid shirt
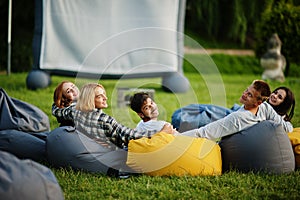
x: 105, y: 129
x: 64, y: 116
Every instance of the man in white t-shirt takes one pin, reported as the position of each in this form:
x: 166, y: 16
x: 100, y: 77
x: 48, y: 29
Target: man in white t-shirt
x: 147, y: 109
x: 254, y: 110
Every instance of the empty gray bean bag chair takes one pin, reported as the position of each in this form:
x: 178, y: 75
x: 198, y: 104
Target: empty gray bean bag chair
x: 23, y: 128
x: 23, y: 145
x: 265, y: 147
x: 196, y: 115
x: 67, y: 147
x: 27, y: 180
x: 21, y: 116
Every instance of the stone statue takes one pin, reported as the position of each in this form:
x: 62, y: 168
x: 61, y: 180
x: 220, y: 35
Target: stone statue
x: 272, y: 61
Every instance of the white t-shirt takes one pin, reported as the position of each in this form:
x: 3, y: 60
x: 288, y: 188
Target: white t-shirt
x: 151, y: 125
x: 237, y: 121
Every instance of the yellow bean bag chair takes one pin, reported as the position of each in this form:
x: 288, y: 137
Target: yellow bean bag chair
x: 295, y: 140
x: 165, y: 154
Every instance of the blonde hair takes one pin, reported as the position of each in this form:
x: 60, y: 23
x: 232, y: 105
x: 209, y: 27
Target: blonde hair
x: 86, y: 101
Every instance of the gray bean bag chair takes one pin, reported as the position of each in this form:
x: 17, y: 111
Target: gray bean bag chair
x: 27, y: 180
x: 23, y: 128
x: 21, y: 116
x: 23, y: 145
x: 264, y: 147
x: 67, y: 147
x: 196, y: 115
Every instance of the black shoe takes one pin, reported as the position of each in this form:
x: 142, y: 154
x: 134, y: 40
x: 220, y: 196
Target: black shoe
x: 111, y: 172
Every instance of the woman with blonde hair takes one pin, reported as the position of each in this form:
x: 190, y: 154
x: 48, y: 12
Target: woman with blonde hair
x: 90, y: 119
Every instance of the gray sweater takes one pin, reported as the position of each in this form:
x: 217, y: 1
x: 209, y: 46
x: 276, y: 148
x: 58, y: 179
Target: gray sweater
x: 237, y: 121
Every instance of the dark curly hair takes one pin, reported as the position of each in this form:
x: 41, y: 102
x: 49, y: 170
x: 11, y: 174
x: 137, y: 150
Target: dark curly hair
x: 137, y: 101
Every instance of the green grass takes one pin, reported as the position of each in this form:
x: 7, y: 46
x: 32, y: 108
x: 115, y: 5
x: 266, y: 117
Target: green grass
x: 232, y: 64
x: 205, y: 88
x: 231, y: 185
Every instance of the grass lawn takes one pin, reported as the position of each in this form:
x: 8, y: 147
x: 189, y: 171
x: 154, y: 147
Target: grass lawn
x: 222, y: 89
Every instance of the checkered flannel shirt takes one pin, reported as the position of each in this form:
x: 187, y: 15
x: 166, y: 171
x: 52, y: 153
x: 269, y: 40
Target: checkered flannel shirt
x: 64, y: 115
x: 105, y: 129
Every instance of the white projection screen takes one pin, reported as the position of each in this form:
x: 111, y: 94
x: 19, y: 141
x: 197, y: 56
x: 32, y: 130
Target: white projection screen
x: 109, y: 38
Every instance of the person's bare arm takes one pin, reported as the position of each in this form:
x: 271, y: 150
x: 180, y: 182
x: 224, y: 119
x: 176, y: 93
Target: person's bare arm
x: 168, y: 128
